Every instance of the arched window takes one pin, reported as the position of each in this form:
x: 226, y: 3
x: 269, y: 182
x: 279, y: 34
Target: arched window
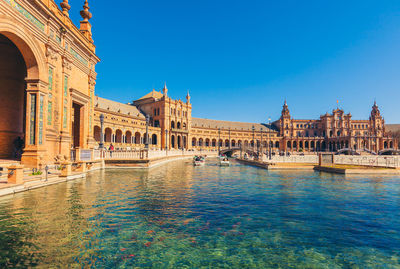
x: 128, y: 137
x: 172, y: 124
x: 154, y: 139
x: 178, y: 125
x: 137, y: 138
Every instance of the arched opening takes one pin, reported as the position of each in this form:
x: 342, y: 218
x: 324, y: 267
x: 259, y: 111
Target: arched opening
x: 172, y: 124
x: 137, y: 138
x: 179, y: 142
x: 178, y: 125
x: 172, y: 141
x: 194, y: 142
x: 13, y: 72
x: 201, y: 142
x: 128, y: 137
x: 214, y: 143
x: 385, y: 145
x: 294, y: 144
x: 118, y: 136
x: 184, y: 141
x: 207, y: 142
x: 226, y: 143
x: 289, y: 145
x: 277, y: 144
x: 233, y: 143
x: 97, y: 133
x: 108, y: 135
x: 154, y: 139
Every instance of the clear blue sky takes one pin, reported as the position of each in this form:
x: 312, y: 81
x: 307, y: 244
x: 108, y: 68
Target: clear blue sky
x: 240, y: 59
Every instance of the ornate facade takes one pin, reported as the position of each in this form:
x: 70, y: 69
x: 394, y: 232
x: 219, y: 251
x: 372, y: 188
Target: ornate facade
x: 47, y: 78
x: 172, y: 127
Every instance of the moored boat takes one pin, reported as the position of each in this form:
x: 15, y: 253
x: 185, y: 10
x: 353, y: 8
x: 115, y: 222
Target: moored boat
x: 198, y: 160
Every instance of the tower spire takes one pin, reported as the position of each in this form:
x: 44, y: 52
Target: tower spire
x: 188, y: 97
x: 165, y: 89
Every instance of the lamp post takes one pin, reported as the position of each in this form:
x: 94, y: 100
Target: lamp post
x: 146, y: 142
x: 269, y: 138
x: 229, y: 137
x: 253, y: 128
x: 261, y: 145
x: 101, y: 144
x: 219, y: 144
x: 166, y: 140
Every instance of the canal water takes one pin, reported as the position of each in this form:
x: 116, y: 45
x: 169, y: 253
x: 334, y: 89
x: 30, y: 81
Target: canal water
x: 180, y: 216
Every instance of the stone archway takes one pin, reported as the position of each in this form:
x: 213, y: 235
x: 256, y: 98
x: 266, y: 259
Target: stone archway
x: 13, y: 72
x: 29, y: 69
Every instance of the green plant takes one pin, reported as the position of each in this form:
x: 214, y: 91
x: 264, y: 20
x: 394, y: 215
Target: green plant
x: 37, y: 173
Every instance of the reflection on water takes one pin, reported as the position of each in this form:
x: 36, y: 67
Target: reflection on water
x: 178, y: 215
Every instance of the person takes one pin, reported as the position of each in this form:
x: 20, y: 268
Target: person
x: 111, y: 148
x: 18, y: 147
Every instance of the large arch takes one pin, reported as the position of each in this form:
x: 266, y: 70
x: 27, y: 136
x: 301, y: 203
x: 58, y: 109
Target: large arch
x: 12, y: 100
x: 28, y: 70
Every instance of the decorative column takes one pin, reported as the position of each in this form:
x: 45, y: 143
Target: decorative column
x: 34, y: 125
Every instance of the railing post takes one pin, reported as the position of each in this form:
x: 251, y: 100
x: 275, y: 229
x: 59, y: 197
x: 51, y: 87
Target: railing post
x: 16, y: 174
x: 66, y: 169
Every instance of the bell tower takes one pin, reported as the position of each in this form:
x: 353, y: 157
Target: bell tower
x: 284, y: 121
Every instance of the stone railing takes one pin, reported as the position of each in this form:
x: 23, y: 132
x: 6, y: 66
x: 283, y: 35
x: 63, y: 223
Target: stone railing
x: 379, y: 161
x: 150, y: 154
x: 292, y: 159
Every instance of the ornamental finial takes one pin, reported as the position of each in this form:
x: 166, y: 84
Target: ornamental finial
x: 65, y: 7
x: 85, y: 13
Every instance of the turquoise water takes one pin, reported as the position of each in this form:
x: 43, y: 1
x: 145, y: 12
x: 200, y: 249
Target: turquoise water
x: 180, y: 216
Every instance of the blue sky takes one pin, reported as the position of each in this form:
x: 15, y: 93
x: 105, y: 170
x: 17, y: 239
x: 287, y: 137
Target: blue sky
x: 241, y: 59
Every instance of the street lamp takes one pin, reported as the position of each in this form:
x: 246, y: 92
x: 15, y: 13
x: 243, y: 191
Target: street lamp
x: 269, y: 138
x: 219, y: 144
x: 166, y: 140
x: 229, y: 137
x: 253, y: 128
x: 261, y: 145
x: 146, y: 145
x: 101, y: 144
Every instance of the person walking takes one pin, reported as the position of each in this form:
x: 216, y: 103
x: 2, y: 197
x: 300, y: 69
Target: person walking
x: 111, y: 149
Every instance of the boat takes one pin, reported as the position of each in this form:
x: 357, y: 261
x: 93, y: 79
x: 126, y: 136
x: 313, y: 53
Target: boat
x: 224, y: 161
x: 199, y: 161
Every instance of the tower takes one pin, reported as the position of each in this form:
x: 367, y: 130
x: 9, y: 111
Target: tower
x: 376, y: 121
x: 284, y: 121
